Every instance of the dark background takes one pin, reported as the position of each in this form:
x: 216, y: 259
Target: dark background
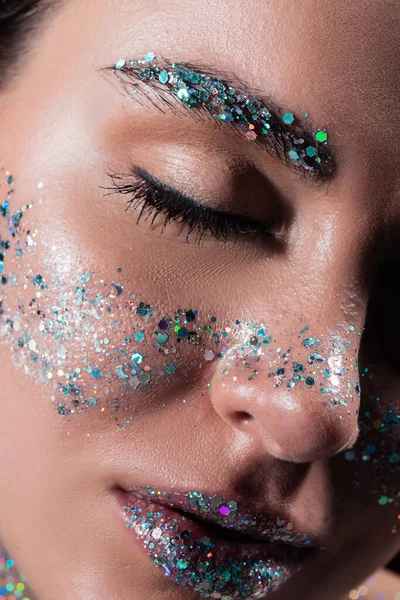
x: 395, y: 564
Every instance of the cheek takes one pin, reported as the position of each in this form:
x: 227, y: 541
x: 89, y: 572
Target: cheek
x: 76, y: 324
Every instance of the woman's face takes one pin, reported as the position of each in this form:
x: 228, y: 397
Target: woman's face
x: 188, y: 354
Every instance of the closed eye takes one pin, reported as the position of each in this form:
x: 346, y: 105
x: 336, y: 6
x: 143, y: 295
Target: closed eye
x: 154, y: 199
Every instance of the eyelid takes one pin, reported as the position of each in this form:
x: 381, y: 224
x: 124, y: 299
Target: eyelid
x: 156, y: 198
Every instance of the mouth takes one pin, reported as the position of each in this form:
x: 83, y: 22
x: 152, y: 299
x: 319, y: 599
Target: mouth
x: 212, y: 545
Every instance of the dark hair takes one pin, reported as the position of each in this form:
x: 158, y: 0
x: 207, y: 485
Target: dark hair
x: 18, y: 19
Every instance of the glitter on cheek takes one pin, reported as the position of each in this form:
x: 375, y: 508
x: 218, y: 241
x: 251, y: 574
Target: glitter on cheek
x: 99, y: 345
x: 95, y: 343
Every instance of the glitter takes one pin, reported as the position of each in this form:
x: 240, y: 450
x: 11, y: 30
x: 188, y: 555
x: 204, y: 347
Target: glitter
x: 209, y: 355
x: 119, y: 288
x: 120, y: 63
x: 383, y: 500
x: 321, y: 136
x: 162, y: 338
x: 134, y: 382
x: 121, y: 373
x: 32, y: 345
x: 309, y: 381
x: 144, y: 310
x: 163, y: 77
x: 311, y: 342
x: 288, y: 118
x: 37, y: 280
x: 183, y: 94
x: 61, y: 352
x: 150, y: 56
x: 293, y: 154
x: 138, y: 336
x: 156, y: 533
x: 350, y: 455
x: 169, y: 369
x: 315, y: 357
x: 198, y: 562
x: 137, y: 358
x: 226, y: 104
x: 311, y: 151
x: 164, y: 324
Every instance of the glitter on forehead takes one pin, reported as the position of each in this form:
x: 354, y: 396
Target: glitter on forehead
x: 195, y: 89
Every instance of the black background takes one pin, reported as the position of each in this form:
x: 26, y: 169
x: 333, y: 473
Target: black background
x: 395, y: 564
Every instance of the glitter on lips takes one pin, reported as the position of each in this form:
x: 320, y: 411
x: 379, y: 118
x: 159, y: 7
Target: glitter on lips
x: 192, y: 559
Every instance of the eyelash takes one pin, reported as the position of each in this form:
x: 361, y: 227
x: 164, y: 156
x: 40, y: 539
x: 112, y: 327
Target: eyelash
x: 155, y: 198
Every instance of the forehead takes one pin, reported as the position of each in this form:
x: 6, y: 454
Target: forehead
x: 309, y: 52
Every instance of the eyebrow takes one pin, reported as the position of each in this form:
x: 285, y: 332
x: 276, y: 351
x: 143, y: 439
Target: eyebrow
x: 290, y: 139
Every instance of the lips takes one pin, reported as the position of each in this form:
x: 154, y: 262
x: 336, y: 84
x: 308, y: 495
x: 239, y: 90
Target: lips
x: 212, y: 545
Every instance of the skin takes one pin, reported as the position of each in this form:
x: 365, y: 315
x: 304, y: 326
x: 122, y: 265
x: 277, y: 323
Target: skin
x: 64, y: 124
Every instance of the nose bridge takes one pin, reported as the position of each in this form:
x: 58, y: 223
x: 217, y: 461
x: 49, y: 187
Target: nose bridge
x: 326, y: 274
x: 293, y: 384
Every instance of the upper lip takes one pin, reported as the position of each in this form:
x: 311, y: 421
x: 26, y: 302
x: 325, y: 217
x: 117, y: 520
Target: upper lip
x: 207, y: 508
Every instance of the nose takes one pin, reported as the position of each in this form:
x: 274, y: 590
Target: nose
x: 299, y: 403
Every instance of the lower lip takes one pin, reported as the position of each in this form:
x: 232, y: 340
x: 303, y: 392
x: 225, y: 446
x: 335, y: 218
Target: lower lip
x: 208, y: 565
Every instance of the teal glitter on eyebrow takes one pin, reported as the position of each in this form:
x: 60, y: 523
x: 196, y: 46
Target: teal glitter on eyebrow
x: 163, y: 77
x: 311, y: 151
x: 150, y: 56
x: 288, y: 118
x: 195, y: 88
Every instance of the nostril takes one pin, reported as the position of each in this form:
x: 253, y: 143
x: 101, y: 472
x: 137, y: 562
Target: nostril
x: 241, y: 417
